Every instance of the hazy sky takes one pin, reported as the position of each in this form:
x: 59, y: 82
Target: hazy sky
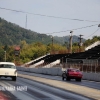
x: 72, y: 9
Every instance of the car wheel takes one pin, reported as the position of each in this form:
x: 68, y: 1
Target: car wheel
x: 14, y: 78
x: 78, y: 79
x: 67, y: 79
x: 62, y: 78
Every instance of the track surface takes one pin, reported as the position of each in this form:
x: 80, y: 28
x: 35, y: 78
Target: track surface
x: 38, y: 91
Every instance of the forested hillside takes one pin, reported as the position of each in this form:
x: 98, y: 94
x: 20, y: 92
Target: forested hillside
x: 12, y: 34
x: 32, y: 44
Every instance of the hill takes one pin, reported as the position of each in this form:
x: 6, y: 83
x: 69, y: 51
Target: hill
x: 66, y: 39
x: 12, y: 34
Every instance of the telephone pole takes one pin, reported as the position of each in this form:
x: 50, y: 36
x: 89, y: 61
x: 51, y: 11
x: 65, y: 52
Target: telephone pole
x: 70, y: 42
x: 5, y: 56
x: 80, y: 42
x: 52, y: 42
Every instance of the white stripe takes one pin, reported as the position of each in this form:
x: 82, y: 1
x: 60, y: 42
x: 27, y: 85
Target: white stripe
x: 42, y: 92
x: 20, y: 95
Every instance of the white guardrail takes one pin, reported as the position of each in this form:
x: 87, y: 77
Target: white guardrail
x: 58, y: 72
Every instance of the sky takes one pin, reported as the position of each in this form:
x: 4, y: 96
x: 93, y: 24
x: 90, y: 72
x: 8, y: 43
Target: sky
x: 64, y: 13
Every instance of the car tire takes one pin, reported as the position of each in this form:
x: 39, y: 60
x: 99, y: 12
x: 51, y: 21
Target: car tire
x: 78, y: 79
x: 67, y: 79
x: 14, y: 78
x: 63, y: 78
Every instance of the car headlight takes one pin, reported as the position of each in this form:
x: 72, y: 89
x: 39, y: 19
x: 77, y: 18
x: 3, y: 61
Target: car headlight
x: 15, y: 72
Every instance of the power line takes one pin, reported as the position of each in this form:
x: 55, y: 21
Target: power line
x: 47, y: 15
x: 56, y: 17
x: 93, y: 33
x: 72, y: 29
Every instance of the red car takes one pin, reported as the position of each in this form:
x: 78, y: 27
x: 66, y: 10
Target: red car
x: 72, y: 73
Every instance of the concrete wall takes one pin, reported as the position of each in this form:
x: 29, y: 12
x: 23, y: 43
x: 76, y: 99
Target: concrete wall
x: 91, y: 76
x: 58, y: 72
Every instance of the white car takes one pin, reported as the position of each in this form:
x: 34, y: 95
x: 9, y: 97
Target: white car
x: 8, y: 69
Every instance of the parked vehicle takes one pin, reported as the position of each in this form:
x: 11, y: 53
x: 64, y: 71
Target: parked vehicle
x: 8, y: 69
x: 72, y: 73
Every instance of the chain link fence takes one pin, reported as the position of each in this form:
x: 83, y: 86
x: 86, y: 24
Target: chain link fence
x: 85, y: 65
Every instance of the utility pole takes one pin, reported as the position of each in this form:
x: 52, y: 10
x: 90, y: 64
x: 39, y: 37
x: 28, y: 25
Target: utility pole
x: 52, y: 42
x: 5, y: 56
x: 70, y: 42
x: 80, y: 42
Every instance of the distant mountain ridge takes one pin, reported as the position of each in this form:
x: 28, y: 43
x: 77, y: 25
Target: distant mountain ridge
x: 12, y: 34
x: 66, y: 39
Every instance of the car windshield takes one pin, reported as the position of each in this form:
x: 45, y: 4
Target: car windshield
x: 74, y: 70
x: 77, y: 70
x: 7, y: 66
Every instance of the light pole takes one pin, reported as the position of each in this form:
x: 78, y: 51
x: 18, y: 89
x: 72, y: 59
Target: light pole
x: 5, y: 56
